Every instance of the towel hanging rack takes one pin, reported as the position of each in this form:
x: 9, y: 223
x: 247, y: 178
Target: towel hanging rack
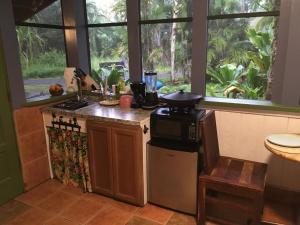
x: 73, y: 124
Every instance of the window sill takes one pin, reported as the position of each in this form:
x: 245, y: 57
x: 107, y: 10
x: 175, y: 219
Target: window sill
x: 43, y: 100
x: 247, y: 105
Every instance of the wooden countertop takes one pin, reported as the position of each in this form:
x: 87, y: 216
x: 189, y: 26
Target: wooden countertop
x: 281, y: 151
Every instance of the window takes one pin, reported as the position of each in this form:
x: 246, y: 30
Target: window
x: 107, y: 29
x: 240, y: 48
x: 166, y: 42
x: 40, y: 33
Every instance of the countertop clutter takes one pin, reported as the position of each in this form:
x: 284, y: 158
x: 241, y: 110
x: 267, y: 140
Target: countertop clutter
x: 103, y: 113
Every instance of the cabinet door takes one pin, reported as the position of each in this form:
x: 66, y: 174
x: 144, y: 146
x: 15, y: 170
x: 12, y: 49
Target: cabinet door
x: 128, y: 164
x: 100, y: 158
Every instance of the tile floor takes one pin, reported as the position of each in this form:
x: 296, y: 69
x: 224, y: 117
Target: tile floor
x: 52, y: 203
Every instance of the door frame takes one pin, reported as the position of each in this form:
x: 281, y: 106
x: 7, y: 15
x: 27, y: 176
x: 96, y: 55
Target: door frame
x: 16, y: 167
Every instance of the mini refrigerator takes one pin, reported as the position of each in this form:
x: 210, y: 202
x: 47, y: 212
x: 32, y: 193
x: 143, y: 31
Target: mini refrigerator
x: 172, y: 178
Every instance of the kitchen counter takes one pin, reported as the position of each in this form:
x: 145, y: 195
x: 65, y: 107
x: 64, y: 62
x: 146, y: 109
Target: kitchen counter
x: 104, y: 113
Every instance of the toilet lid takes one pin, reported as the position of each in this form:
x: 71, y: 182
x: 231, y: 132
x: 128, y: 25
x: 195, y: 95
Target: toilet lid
x: 285, y: 140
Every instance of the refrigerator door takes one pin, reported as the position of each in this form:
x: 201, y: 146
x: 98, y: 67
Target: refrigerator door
x: 172, y: 178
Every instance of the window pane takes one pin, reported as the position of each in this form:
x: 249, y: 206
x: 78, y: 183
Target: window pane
x: 166, y: 49
x: 45, y: 12
x: 43, y: 59
x: 108, y: 11
x: 108, y: 50
x: 239, y: 57
x: 158, y: 9
x: 221, y: 7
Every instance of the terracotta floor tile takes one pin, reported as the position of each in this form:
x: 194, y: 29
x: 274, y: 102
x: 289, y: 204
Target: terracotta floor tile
x: 11, y: 210
x: 99, y: 199
x: 60, y: 221
x: 111, y: 216
x: 57, y: 202
x: 135, y: 220
x: 155, y: 213
x: 73, y: 190
x: 40, y: 193
x: 52, y: 184
x: 182, y: 219
x: 81, y: 210
x: 124, y: 206
x: 33, y: 216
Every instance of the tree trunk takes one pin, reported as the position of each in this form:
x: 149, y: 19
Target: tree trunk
x: 173, y: 43
x: 173, y: 48
x: 148, y: 63
x: 271, y: 73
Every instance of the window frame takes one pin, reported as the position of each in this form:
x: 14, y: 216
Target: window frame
x: 199, y: 49
x: 201, y: 33
x: 199, y: 22
x: 46, y: 26
x: 50, y: 26
x: 186, y: 19
x: 100, y: 25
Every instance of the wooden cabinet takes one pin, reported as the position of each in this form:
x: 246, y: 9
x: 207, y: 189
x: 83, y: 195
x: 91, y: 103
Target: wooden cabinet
x: 100, y: 157
x: 116, y: 160
x: 127, y: 164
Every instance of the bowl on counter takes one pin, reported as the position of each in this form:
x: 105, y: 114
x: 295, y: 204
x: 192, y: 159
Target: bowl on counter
x: 56, y: 90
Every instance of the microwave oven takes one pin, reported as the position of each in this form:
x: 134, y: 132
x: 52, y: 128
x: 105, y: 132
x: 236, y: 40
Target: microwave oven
x: 171, y: 129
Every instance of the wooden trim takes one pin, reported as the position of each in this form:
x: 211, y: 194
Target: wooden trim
x: 199, y: 46
x: 95, y: 123
x: 220, y: 185
x: 134, y: 41
x: 232, y: 205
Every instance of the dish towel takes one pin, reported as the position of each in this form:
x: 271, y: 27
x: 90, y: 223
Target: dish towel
x: 69, y: 157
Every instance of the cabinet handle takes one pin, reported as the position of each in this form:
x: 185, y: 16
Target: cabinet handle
x: 145, y: 130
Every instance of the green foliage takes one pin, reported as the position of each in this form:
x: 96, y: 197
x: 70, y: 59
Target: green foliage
x: 114, y: 77
x: 226, y: 75
x: 173, y: 88
x: 250, y: 81
x: 47, y: 65
x: 42, y: 71
x: 214, y: 90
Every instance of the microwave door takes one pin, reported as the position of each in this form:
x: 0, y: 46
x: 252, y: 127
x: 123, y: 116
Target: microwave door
x: 170, y: 129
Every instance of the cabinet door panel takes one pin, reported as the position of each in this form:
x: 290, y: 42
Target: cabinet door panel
x: 100, y: 157
x: 127, y: 164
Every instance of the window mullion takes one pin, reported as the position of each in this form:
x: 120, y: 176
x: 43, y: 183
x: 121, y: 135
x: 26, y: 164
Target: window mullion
x: 286, y: 79
x: 76, y: 38
x: 134, y: 44
x: 199, y: 46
